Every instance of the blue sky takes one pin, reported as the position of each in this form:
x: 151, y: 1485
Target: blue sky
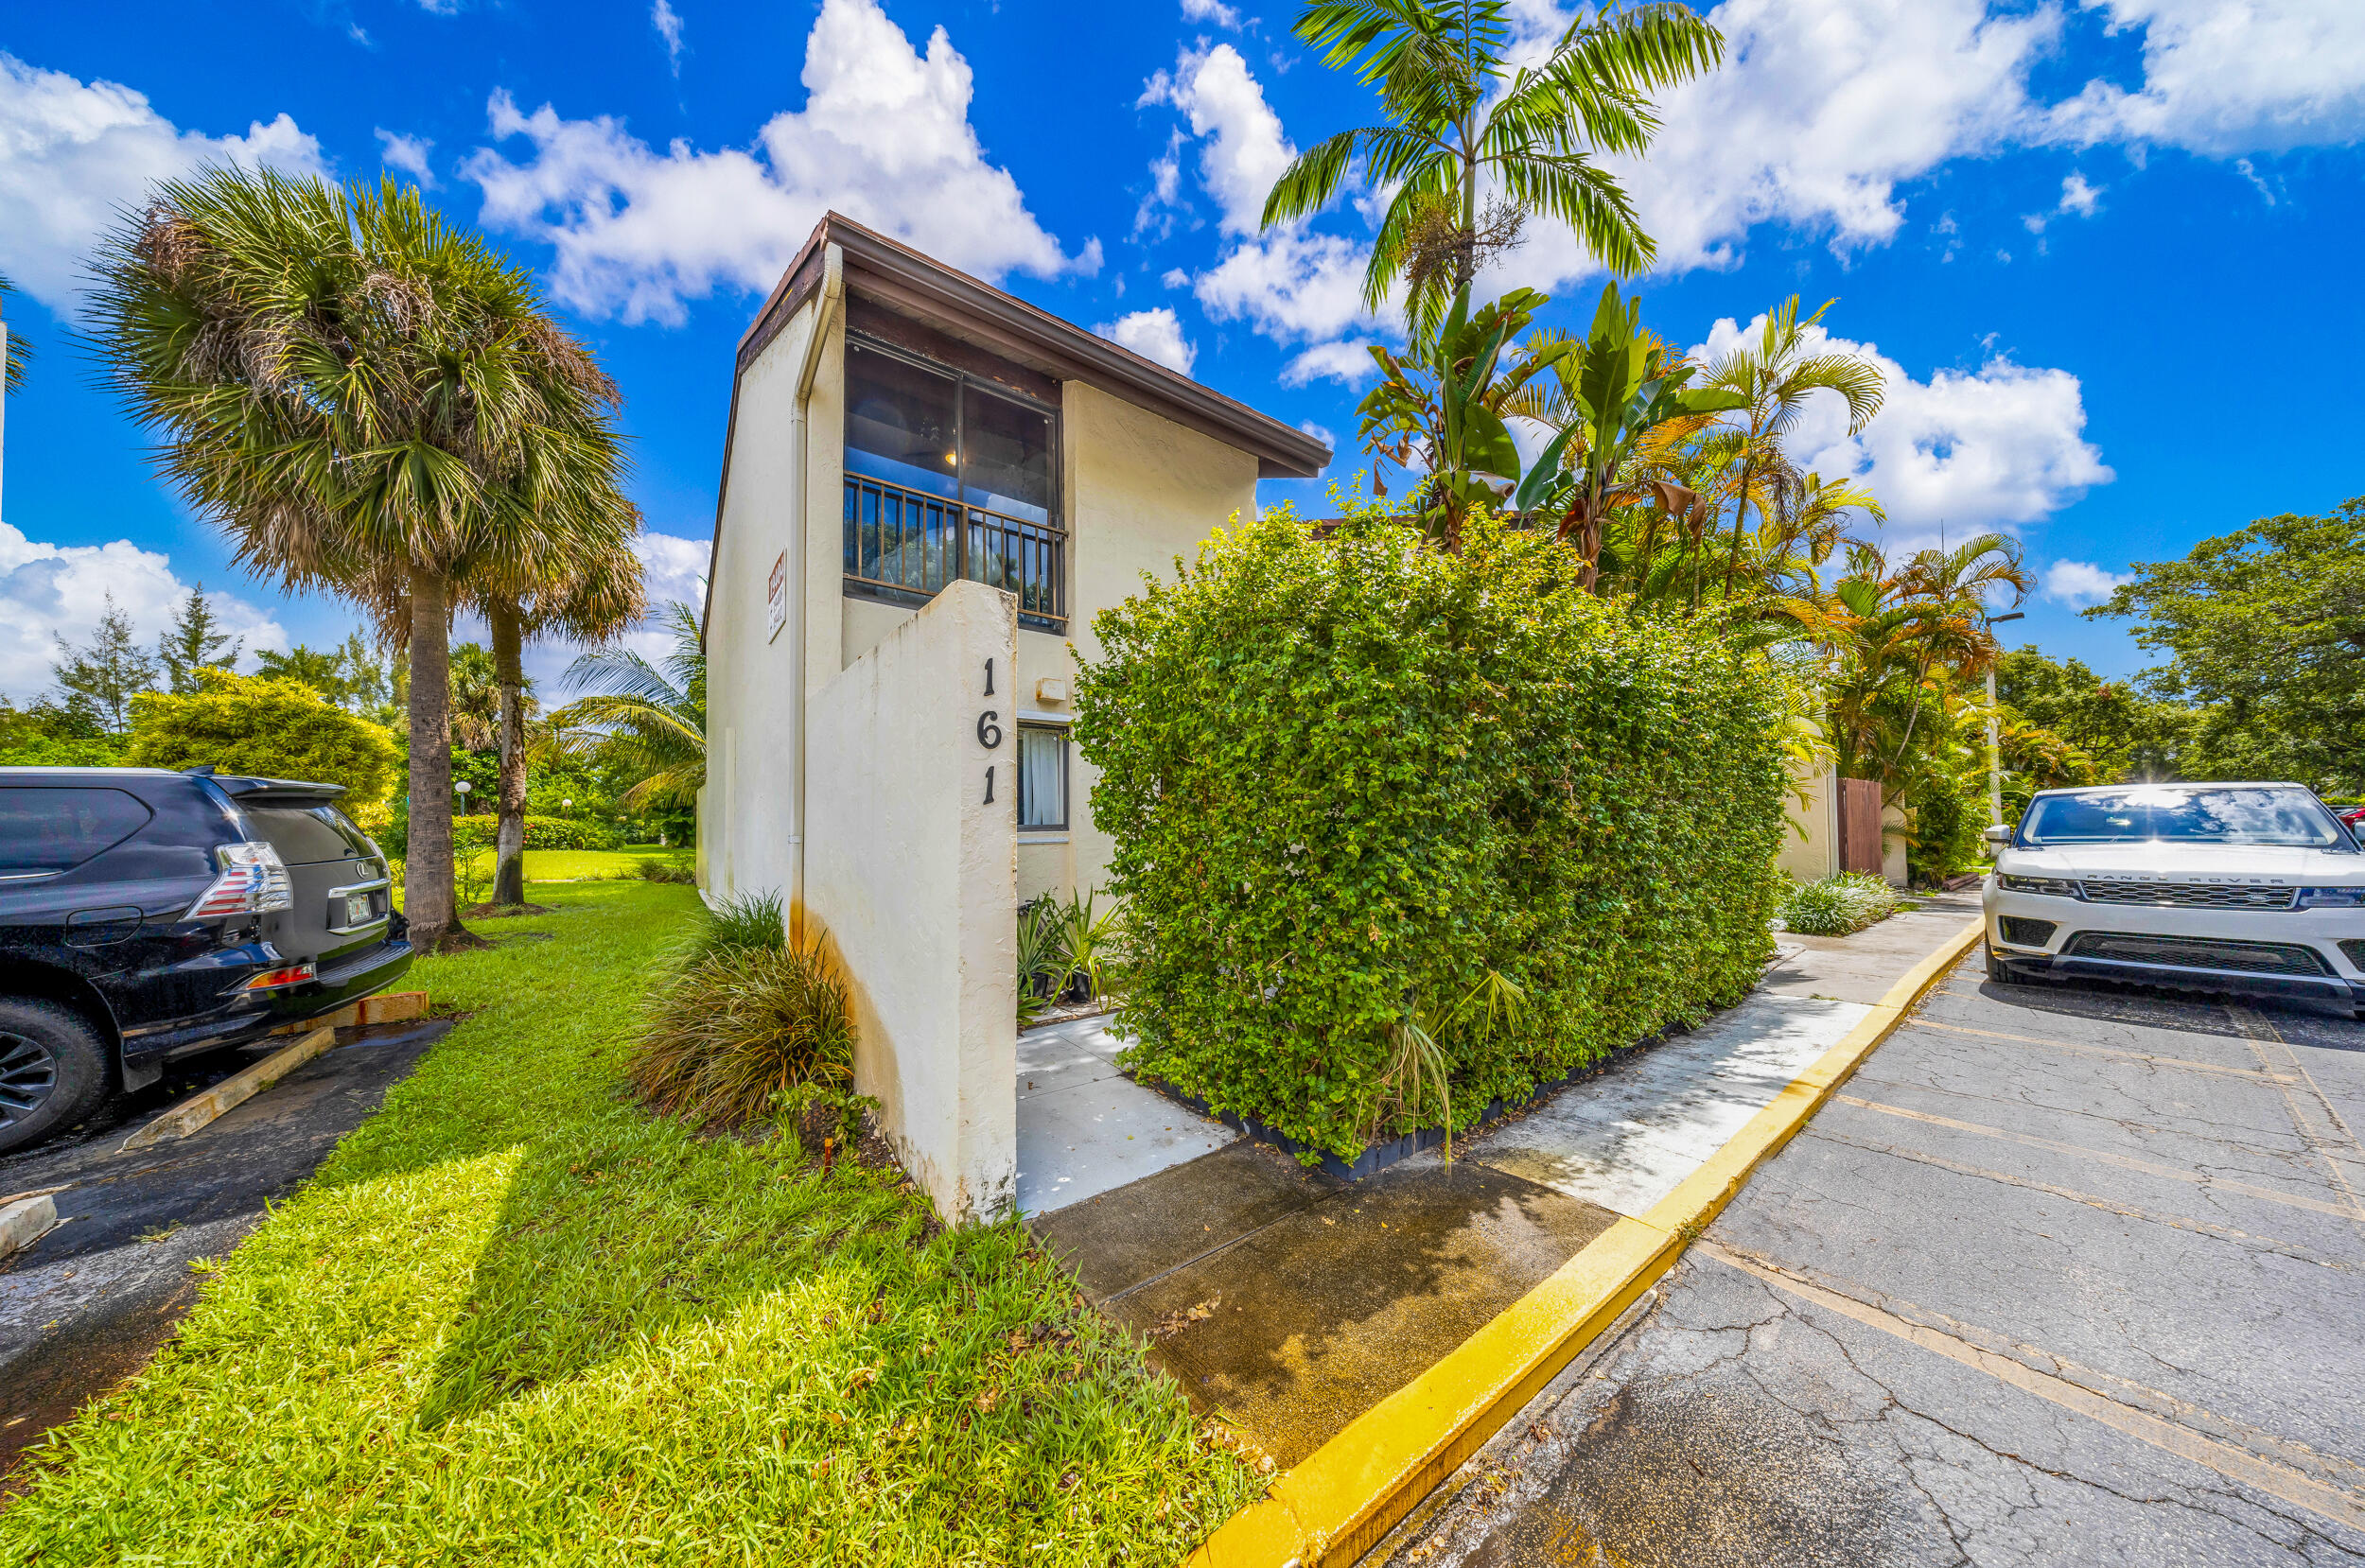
x: 2094, y: 244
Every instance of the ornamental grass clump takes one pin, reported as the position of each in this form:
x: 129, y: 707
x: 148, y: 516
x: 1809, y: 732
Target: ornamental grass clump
x: 1840, y: 904
x: 1354, y: 779
x: 744, y: 1015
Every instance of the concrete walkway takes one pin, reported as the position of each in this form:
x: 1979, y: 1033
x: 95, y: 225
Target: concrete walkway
x: 1291, y: 1302
x: 1084, y: 1128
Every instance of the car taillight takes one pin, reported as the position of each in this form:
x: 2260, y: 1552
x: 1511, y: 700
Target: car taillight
x: 254, y: 880
x: 291, y: 974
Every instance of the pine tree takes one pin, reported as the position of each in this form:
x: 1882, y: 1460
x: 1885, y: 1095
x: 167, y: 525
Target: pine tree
x: 194, y: 643
x: 107, y: 673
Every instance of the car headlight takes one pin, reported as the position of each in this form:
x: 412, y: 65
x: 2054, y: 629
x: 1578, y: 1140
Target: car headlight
x: 2056, y: 886
x: 2331, y: 897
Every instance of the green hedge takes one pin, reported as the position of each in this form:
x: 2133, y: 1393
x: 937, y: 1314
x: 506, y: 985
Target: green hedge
x: 1350, y: 776
x: 476, y: 832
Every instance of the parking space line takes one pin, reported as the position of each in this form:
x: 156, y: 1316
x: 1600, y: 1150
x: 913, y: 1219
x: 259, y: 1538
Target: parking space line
x: 2124, y: 1161
x: 2091, y: 1200
x: 2271, y: 1476
x: 2181, y: 1063
x: 2323, y: 1132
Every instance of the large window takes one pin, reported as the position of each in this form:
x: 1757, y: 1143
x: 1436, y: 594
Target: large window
x: 946, y: 479
x: 1041, y: 776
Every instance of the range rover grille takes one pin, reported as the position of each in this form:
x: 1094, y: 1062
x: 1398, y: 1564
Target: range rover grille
x: 2199, y: 953
x: 2355, y: 948
x: 2192, y: 895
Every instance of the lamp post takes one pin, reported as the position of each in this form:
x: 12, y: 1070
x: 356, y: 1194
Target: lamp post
x: 1995, y: 744
x: 462, y: 787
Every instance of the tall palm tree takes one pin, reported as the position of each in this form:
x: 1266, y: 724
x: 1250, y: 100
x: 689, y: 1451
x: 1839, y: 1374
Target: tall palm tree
x: 12, y: 348
x: 655, y: 713
x: 363, y: 398
x: 598, y: 599
x: 1777, y: 375
x: 1460, y: 120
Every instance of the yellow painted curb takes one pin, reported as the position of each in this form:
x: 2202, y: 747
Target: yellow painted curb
x: 1338, y: 1503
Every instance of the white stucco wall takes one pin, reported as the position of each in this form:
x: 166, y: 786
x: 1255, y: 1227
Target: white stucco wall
x: 1136, y: 490
x: 1809, y: 849
x: 911, y: 876
x: 747, y: 816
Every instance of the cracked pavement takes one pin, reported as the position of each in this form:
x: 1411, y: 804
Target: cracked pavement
x: 2060, y: 1277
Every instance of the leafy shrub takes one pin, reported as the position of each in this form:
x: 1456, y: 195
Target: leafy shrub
x: 743, y: 1017
x: 1062, y: 946
x: 276, y: 729
x: 736, y: 924
x: 653, y: 870
x: 1947, y: 818
x: 541, y: 832
x: 1351, y: 777
x: 1844, y: 902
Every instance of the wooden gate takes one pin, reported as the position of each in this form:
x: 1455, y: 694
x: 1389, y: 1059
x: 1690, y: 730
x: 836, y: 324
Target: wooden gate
x: 1860, y: 825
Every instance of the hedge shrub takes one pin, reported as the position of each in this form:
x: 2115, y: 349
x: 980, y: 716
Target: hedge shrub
x: 274, y: 729
x: 1347, y: 776
x: 479, y: 832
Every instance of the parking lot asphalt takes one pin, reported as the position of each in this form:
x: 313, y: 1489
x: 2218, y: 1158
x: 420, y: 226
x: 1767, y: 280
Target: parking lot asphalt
x: 2061, y: 1277
x: 87, y: 1304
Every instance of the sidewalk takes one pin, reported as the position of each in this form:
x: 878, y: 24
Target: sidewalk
x: 1291, y: 1303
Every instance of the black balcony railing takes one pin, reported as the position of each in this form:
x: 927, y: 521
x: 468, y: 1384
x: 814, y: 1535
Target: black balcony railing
x: 901, y: 542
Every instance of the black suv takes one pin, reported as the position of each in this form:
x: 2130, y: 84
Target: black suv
x: 147, y: 915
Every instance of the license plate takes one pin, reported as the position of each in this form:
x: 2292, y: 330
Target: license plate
x: 357, y: 909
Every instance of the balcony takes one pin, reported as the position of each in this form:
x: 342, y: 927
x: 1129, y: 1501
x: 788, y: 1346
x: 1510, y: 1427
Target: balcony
x: 904, y: 545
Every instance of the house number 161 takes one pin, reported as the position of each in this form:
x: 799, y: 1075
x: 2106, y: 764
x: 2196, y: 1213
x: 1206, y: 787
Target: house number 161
x: 989, y: 731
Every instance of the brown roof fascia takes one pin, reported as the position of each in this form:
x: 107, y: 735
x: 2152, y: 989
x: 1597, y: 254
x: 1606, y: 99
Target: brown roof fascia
x: 900, y: 279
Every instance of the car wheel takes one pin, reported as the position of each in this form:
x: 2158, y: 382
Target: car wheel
x: 1996, y: 971
x: 53, y: 1069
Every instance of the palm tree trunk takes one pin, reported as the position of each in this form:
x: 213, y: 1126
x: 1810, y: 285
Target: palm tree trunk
x: 1740, y: 516
x: 509, y: 877
x: 428, y: 900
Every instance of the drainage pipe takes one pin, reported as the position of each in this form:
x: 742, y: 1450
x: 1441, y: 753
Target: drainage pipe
x: 827, y: 303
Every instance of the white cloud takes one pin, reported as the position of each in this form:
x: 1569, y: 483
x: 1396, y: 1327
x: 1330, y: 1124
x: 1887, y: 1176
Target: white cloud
x: 1174, y: 277
x: 1245, y: 150
x: 884, y: 138
x: 1291, y: 285
x: 1997, y: 448
x: 1825, y: 109
x: 405, y: 154
x: 668, y: 24
x: 2080, y: 583
x: 2222, y: 77
x: 71, y: 154
x: 1155, y: 335
x: 1822, y: 109
x: 1347, y: 361
x: 48, y: 591
x: 1214, y: 12
x: 2079, y: 200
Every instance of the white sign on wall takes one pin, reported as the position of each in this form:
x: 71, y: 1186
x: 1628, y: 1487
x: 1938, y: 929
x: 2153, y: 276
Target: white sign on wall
x: 776, y: 598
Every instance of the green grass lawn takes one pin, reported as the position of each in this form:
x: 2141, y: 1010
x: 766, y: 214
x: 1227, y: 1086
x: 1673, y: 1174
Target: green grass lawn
x: 584, y: 865
x: 516, y: 1319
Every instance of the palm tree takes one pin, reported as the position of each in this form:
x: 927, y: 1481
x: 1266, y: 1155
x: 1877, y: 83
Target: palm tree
x: 596, y: 601
x: 1457, y: 118
x: 12, y: 350
x: 1777, y: 375
x: 367, y: 401
x: 655, y: 713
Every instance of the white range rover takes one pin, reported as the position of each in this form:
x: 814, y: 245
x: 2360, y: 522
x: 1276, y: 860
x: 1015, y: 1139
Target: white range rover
x: 2247, y: 888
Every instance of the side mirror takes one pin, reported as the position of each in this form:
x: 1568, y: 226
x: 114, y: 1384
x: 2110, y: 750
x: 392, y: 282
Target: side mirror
x: 1999, y: 834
